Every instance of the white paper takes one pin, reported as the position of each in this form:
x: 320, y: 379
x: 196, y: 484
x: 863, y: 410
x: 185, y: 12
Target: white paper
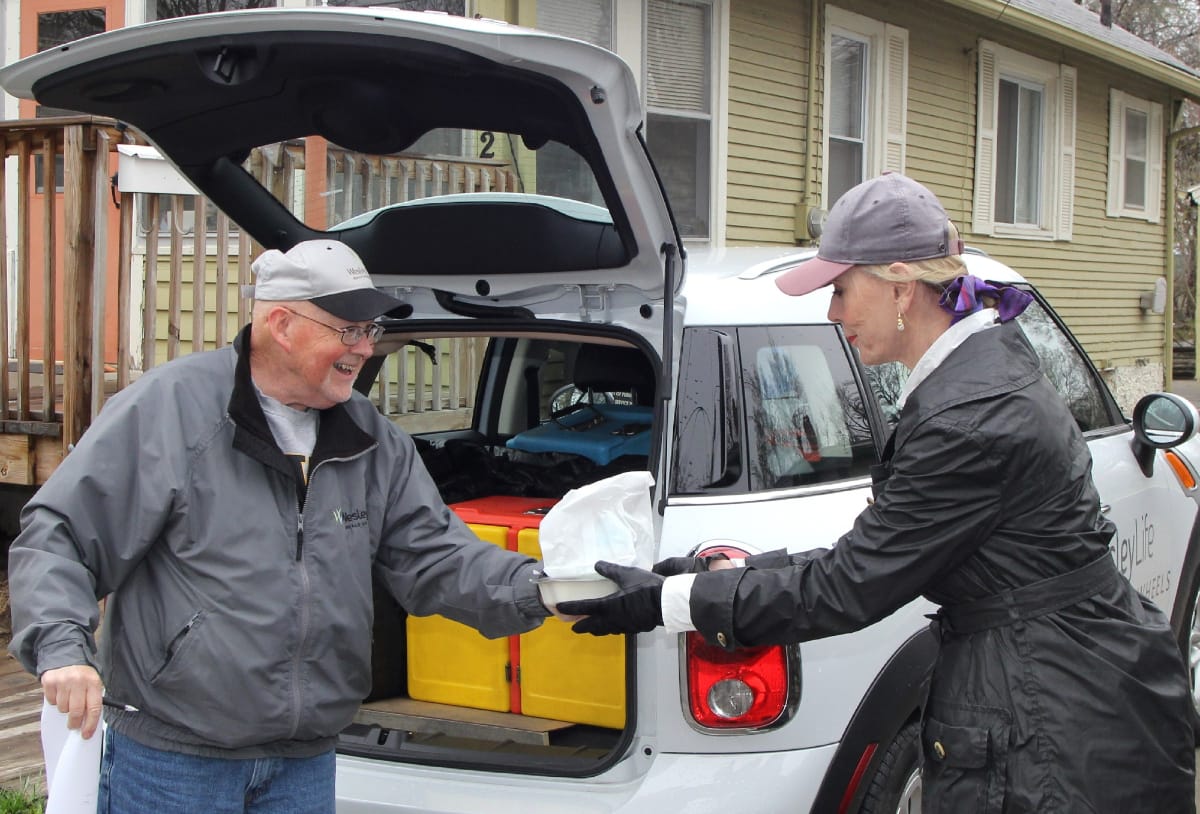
x: 611, y: 519
x: 72, y: 764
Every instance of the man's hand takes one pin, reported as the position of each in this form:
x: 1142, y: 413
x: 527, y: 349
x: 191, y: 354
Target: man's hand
x: 77, y: 691
x: 635, y: 608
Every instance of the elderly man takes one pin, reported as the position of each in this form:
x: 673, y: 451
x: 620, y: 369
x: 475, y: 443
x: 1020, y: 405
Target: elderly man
x: 234, y: 505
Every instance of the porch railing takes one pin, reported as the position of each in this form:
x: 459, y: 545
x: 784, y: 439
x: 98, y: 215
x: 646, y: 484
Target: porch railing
x: 98, y: 285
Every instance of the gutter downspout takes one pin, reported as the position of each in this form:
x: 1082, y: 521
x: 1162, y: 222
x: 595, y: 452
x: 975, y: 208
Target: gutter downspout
x: 814, y: 51
x: 1169, y: 344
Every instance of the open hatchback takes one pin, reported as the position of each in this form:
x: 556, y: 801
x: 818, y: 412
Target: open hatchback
x: 495, y: 180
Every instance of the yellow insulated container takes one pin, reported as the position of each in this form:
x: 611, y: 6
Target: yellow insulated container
x: 450, y: 663
x: 566, y: 676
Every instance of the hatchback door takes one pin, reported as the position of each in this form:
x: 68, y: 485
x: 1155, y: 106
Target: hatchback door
x: 496, y: 181
x: 473, y: 165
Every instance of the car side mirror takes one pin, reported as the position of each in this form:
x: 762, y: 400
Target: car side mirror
x: 1161, y: 421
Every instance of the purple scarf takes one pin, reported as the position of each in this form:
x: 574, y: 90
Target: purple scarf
x: 965, y: 296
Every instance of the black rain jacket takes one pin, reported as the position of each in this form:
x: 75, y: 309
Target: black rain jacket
x: 1077, y: 699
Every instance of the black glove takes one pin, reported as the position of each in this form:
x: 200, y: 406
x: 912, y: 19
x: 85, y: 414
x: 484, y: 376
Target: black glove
x: 635, y: 608
x: 674, y: 566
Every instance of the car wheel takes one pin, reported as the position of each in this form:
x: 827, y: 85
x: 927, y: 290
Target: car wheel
x: 896, y: 786
x: 1189, y: 643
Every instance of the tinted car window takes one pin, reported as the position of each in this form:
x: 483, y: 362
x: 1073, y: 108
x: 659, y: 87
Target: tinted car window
x: 1062, y: 362
x: 708, y: 427
x: 1066, y: 369
x: 806, y: 418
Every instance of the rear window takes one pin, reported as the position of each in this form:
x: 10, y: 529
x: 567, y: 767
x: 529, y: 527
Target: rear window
x: 1063, y: 362
x: 806, y: 417
x: 764, y: 408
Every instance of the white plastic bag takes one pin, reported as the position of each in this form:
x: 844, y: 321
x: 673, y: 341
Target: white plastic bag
x: 72, y: 764
x: 611, y: 519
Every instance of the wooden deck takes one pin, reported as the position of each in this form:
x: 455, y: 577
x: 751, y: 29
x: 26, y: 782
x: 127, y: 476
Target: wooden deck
x: 21, y: 764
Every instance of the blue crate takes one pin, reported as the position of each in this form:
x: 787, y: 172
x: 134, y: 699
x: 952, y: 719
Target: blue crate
x: 600, y: 432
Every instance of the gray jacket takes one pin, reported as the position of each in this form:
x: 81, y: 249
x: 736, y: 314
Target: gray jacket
x: 240, y: 609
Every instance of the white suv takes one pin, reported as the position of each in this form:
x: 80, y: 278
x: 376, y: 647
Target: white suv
x: 496, y: 180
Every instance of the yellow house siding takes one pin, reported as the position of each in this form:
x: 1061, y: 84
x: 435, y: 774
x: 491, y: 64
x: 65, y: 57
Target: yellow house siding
x: 768, y: 63
x: 1093, y: 280
x: 941, y: 136
x: 209, y: 323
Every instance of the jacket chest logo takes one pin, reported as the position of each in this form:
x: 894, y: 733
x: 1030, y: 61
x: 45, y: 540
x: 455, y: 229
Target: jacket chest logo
x: 350, y: 518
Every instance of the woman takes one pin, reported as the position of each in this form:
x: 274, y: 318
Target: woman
x: 1058, y: 688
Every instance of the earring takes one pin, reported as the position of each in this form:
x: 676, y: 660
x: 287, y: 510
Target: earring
x: 900, y: 321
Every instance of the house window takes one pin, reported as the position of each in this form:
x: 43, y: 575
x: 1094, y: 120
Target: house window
x: 847, y: 114
x: 866, y: 104
x: 1020, y: 116
x: 456, y: 7
x: 587, y: 20
x: 560, y: 170
x: 1025, y: 146
x: 672, y: 44
x: 1135, y: 137
x: 177, y: 215
x: 679, y: 57
x: 58, y: 27
x: 55, y: 28
x: 39, y: 165
x: 166, y: 9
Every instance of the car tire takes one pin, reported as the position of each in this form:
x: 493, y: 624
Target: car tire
x: 1189, y: 644
x: 896, y: 786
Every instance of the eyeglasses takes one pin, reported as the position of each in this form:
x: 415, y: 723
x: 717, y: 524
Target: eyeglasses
x: 351, y: 334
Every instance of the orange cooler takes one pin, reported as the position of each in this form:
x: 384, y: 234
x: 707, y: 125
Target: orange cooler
x: 550, y: 672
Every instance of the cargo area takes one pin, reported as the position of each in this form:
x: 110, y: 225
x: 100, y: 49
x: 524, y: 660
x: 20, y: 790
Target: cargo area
x: 549, y: 415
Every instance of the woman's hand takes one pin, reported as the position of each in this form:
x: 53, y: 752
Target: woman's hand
x: 636, y: 607
x: 674, y: 566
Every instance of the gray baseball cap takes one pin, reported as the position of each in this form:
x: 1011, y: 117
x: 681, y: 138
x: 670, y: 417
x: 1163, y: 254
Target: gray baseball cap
x: 327, y: 273
x: 884, y: 220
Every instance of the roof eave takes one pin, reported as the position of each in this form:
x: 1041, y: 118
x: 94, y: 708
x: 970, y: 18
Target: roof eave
x: 1025, y: 20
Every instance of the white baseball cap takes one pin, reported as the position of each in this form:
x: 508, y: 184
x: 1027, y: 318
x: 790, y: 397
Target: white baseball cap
x: 327, y: 273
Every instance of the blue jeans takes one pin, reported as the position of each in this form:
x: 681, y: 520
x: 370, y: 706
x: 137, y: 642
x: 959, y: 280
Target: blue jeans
x: 136, y: 779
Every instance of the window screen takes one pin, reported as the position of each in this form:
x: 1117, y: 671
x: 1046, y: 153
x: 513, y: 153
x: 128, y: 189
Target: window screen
x: 679, y: 106
x: 847, y: 114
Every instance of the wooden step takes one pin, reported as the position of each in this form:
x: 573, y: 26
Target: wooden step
x: 445, y: 719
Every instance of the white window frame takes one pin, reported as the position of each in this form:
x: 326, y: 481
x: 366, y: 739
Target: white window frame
x: 886, y: 126
x: 1057, y: 192
x: 629, y: 42
x: 715, y: 116
x: 568, y: 16
x: 1118, y: 104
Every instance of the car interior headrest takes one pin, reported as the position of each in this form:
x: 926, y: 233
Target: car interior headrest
x: 605, y: 368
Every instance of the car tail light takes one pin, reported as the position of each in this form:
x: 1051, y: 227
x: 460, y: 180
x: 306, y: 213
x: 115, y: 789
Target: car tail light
x: 747, y: 688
